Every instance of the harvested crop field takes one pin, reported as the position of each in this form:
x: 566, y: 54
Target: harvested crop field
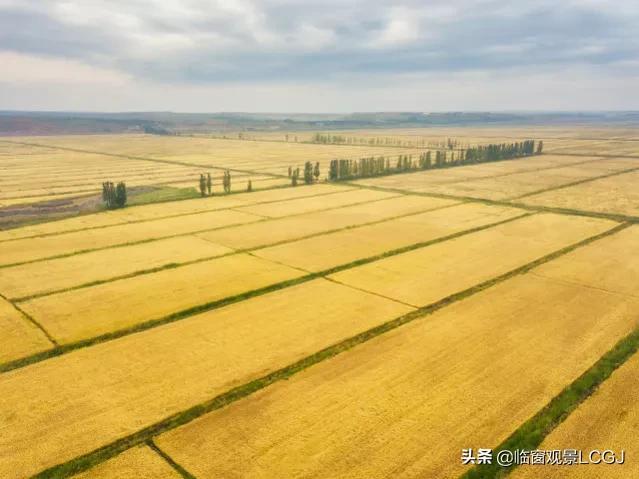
x: 362, y: 327
x: 334, y: 249
x: 462, y: 262
x: 613, y: 195
x: 126, y: 302
x: 486, y: 170
x: 501, y: 247
x: 38, y: 248
x: 138, y: 462
x: 166, y: 210
x: 19, y: 336
x: 112, y: 389
x: 301, y: 206
x: 72, y: 271
x: 407, y: 402
x: 518, y: 184
x: 291, y: 228
x: 507, y: 179
x: 69, y: 166
x: 600, y: 265
x: 606, y: 421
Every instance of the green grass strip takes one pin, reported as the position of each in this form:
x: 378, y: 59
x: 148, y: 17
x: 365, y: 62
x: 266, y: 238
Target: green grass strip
x: 531, y: 434
x: 108, y: 451
x: 164, y: 194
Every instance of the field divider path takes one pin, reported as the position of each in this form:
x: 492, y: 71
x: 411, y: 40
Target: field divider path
x: 183, y: 314
x: 236, y: 251
x: 341, y: 283
x: 587, y: 286
x: 169, y: 460
x: 145, y: 220
x: 532, y: 433
x: 86, y: 461
x: 30, y: 318
x: 524, y: 206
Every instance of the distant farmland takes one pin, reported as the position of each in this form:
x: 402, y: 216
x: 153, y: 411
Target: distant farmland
x: 366, y: 328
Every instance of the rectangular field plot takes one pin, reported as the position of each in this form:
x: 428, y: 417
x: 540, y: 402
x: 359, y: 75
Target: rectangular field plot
x: 123, y: 216
x: 31, y: 249
x: 426, y: 275
x: 611, y: 264
x: 18, y: 336
x: 306, y: 205
x: 606, y: 420
x: 139, y: 462
x: 253, y: 156
x: 615, y: 195
x: 59, y: 274
x: 60, y: 172
x: 420, y: 180
x: 104, y: 218
x: 69, y: 173
x: 601, y: 147
x: 95, y: 310
x: 286, y: 229
x: 516, y: 185
x: 324, y: 252
x: 162, y: 210
x: 254, y: 199
x: 95, y: 395
x: 404, y: 404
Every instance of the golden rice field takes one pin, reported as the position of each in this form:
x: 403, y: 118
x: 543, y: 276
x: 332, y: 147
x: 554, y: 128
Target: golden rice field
x: 610, y: 416
x: 140, y: 462
x: 407, y: 402
x: 44, y: 168
x: 368, y: 329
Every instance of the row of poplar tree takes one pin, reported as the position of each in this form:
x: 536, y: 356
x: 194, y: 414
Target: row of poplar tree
x: 364, y: 167
x: 114, y: 196
x: 311, y: 173
x: 206, y: 184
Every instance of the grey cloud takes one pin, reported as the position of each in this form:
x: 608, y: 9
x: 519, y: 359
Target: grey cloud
x: 241, y: 41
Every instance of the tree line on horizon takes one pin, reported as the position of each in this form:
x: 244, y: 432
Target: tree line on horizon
x: 335, y: 139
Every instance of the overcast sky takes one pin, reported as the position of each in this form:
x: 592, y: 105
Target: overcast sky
x: 320, y: 56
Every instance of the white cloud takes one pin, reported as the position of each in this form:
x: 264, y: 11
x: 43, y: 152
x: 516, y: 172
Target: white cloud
x: 29, y: 69
x: 328, y: 55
